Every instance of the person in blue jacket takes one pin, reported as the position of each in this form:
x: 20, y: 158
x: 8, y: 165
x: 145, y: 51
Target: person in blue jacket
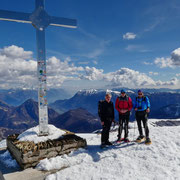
x: 142, y: 108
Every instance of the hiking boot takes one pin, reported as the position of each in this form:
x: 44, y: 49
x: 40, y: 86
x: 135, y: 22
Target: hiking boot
x: 109, y: 143
x: 126, y: 140
x: 140, y: 138
x: 148, y: 141
x: 119, y: 140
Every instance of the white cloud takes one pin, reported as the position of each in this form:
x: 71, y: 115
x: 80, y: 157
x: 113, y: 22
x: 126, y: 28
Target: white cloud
x: 164, y: 62
x: 91, y: 73
x: 178, y: 75
x: 126, y: 77
x: 147, y: 63
x: 16, y: 67
x: 129, y: 78
x: 153, y: 73
x: 171, y: 62
x: 129, y: 36
x: 172, y: 82
x: 138, y: 48
x: 17, y: 70
x: 15, y: 52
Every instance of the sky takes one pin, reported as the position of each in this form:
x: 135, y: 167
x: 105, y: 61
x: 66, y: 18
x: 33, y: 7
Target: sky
x: 133, y: 44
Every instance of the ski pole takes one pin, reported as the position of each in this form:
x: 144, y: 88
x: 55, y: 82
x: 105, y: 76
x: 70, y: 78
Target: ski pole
x: 134, y: 131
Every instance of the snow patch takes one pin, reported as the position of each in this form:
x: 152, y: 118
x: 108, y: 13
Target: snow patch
x: 3, y: 144
x: 32, y: 134
x: 60, y: 162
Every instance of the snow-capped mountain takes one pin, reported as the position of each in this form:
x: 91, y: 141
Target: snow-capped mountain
x: 83, y: 99
x: 89, y: 101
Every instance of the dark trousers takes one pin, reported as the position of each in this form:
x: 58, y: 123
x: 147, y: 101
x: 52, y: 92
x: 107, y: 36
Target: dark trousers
x: 105, y: 130
x: 141, y: 116
x: 123, y: 123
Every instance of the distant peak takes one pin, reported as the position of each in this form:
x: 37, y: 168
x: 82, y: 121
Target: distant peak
x: 90, y: 91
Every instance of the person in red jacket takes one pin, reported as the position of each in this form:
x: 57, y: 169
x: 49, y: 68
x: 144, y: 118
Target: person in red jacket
x: 123, y: 105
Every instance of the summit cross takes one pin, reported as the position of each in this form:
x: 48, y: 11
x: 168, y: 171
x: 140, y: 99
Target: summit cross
x: 40, y: 20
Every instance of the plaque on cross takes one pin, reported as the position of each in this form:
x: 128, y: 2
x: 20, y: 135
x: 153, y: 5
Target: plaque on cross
x: 40, y: 20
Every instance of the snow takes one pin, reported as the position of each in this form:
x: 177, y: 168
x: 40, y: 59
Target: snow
x: 32, y: 134
x: 3, y: 144
x: 160, y: 160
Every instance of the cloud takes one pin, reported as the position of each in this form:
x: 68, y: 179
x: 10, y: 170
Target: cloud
x: 16, y: 67
x: 153, y: 73
x: 126, y: 77
x: 129, y: 36
x: 95, y: 62
x: 164, y: 62
x: 172, y: 82
x: 18, y: 70
x: 16, y: 52
x: 91, y: 73
x: 178, y: 75
x: 83, y: 62
x: 147, y: 63
x: 129, y: 78
x: 175, y: 57
x: 138, y: 48
x: 153, y: 25
x: 171, y: 62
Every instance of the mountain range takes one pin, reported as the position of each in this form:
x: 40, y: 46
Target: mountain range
x: 163, y: 104
x: 17, y: 119
x: 77, y: 120
x: 79, y: 113
x: 16, y: 97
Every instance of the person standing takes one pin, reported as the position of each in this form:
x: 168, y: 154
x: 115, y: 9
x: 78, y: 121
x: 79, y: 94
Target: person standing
x: 106, y: 114
x: 142, y: 108
x: 123, y: 105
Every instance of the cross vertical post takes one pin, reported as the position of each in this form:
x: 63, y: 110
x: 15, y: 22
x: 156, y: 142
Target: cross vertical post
x: 40, y: 20
x: 41, y: 72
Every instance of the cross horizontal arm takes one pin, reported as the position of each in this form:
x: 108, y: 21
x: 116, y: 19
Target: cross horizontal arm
x: 15, y: 16
x: 63, y: 22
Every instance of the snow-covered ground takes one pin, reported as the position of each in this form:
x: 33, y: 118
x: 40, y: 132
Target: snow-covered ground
x: 160, y: 160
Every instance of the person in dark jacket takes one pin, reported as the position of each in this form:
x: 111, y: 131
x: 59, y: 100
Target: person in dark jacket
x: 106, y: 114
x: 123, y: 106
x: 142, y: 108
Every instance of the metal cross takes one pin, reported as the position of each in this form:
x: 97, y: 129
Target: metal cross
x: 40, y: 20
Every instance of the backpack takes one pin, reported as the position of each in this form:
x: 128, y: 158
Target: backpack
x: 127, y: 98
x: 144, y: 98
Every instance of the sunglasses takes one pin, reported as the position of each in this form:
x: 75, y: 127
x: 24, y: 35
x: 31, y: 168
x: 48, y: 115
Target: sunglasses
x: 140, y: 94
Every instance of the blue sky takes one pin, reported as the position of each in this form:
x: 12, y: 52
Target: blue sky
x: 117, y: 43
